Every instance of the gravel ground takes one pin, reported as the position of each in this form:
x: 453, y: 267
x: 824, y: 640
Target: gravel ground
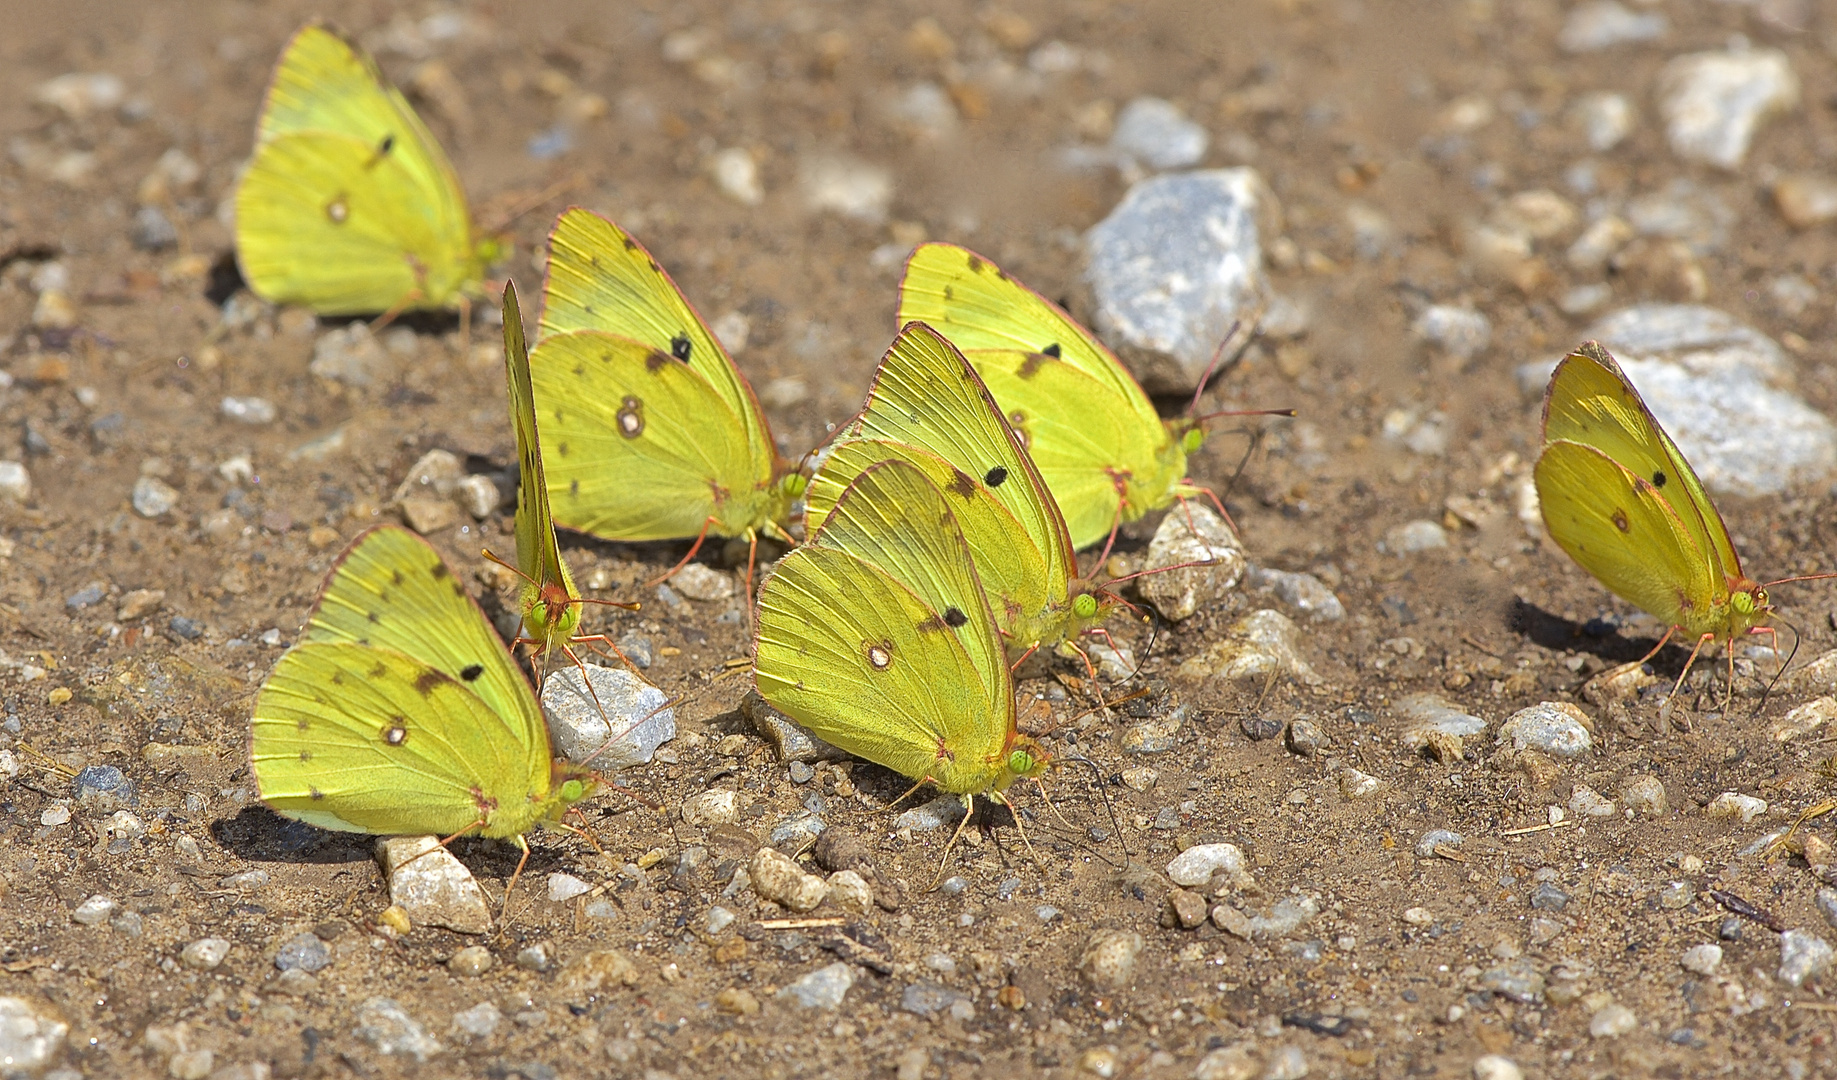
x: 1413, y: 836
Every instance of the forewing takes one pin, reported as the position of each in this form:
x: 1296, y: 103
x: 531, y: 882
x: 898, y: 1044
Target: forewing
x: 1619, y: 527
x: 1591, y: 401
x: 977, y: 306
x: 640, y: 446
x: 325, y: 220
x: 390, y: 590
x: 926, y: 395
x: 538, y: 555
x: 600, y: 278
x: 880, y: 667
x: 325, y: 83
x: 364, y: 739
x: 1007, y: 562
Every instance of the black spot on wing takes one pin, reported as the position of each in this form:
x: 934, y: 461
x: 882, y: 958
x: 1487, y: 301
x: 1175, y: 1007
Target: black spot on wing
x: 1659, y: 479
x: 427, y: 680
x: 1052, y: 351
x: 471, y: 672
x: 681, y: 347
x: 996, y: 477
x: 955, y: 616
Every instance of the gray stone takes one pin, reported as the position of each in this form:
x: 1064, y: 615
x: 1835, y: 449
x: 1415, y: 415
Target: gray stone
x: 1154, y: 133
x: 1826, y: 900
x: 926, y: 998
x: 837, y: 184
x: 1607, y: 119
x: 801, y: 828
x: 1459, y: 331
x: 88, y: 596
x: 1178, y: 263
x: 1551, y: 727
x: 153, y: 497
x: 1412, y: 537
x: 153, y: 230
x: 565, y: 887
x: 1547, y: 897
x: 1287, y: 916
x: 476, y: 1024
x: 473, y: 960
x: 823, y: 988
x: 1713, y: 102
x: 621, y: 721
x: 1644, y: 795
x: 698, y: 582
x: 1191, y: 535
x: 1304, y: 592
x: 1516, y: 979
x: 386, y: 1026
x: 1602, y: 24
x: 777, y: 878
x: 942, y: 812
x: 15, y: 482
x: 1586, y: 802
x: 432, y: 886
x: 1260, y: 645
x: 104, y: 789
x: 1701, y: 959
x: 1803, y: 956
x: 94, y: 911
x: 350, y: 356
x: 1428, y: 843
x: 204, y: 954
x: 1611, y: 1021
x: 304, y: 951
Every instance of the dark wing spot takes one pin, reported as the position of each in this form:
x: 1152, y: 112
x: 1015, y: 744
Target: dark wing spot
x: 439, y: 571
x: 397, y: 733
x: 396, y: 576
x: 975, y: 265
x: 961, y: 484
x: 656, y: 362
x: 561, y: 449
x: 574, y: 488
x: 386, y: 145
x: 1052, y: 351
x: 955, y: 616
x: 681, y: 347
x: 1659, y: 479
x: 306, y: 755
x: 1620, y: 520
x: 379, y: 672
x: 1031, y: 366
x: 471, y: 671
x: 303, y: 724
x: 427, y: 680
x: 950, y: 292
x: 996, y: 476
x: 372, y: 616
x: 931, y: 625
x: 314, y: 794
x: 630, y: 245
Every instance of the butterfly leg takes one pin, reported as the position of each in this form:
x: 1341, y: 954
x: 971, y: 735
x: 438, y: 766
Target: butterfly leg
x: 1664, y: 712
x: 996, y: 796
x: 684, y: 561
x: 969, y: 811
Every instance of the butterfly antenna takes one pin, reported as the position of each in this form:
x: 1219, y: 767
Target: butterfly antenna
x: 529, y: 202
x: 1014, y: 812
x: 1109, y: 807
x: 707, y: 523
x: 1771, y: 683
x: 1218, y: 357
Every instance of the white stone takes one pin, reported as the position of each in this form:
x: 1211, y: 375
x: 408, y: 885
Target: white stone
x: 477, y: 495
x: 29, y: 1039
x: 1734, y: 805
x: 1803, y: 955
x: 204, y: 954
x: 1196, y: 865
x: 1713, y: 102
x: 1188, y: 535
x: 1701, y: 959
x: 1257, y: 646
x: 620, y: 722
x: 1607, y: 119
x: 565, y: 887
x: 736, y: 174
x: 1612, y: 1021
x: 1496, y: 1067
x: 842, y: 185
x: 254, y: 411
x: 823, y: 988
x: 1552, y: 727
x: 1460, y: 331
x: 431, y: 885
x: 1586, y: 802
x: 1805, y: 719
x: 1601, y: 24
x: 94, y: 911
x: 15, y: 482
x: 717, y: 807
x: 153, y: 497
x: 1155, y: 133
x: 386, y: 1026
x: 1414, y: 536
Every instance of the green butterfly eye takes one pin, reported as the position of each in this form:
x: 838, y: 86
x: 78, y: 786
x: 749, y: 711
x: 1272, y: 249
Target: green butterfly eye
x: 1022, y: 762
x: 794, y: 484
x: 572, y: 790
x: 1085, y: 606
x: 1193, y: 440
x: 1743, y: 602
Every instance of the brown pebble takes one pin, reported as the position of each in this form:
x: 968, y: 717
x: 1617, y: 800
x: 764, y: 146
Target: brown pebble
x: 838, y: 849
x: 736, y: 1001
x: 1012, y: 998
x: 1806, y: 200
x: 1186, y: 908
x: 1231, y: 921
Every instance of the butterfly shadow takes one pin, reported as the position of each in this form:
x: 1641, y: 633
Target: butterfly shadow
x: 224, y: 279
x: 1602, y: 637
x: 258, y: 834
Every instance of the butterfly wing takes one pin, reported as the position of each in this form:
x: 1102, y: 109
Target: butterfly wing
x: 1008, y: 564
x: 640, y: 446
x: 1621, y: 529
x: 538, y: 555
x: 364, y: 739
x: 1098, y: 442
x: 390, y: 590
x: 926, y: 395
x: 1591, y: 401
x: 600, y: 278
x: 876, y: 636
x: 348, y: 205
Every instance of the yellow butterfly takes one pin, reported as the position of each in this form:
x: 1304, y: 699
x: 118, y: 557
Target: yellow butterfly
x: 877, y: 636
x: 653, y: 433
x: 1098, y: 442
x: 348, y: 206
x: 929, y: 408
x: 550, y: 602
x: 1618, y: 496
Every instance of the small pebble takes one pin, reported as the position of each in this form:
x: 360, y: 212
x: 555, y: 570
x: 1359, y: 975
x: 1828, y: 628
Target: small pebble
x: 1109, y: 957
x: 1803, y: 956
x: 596, y: 973
x: 1516, y: 979
x: 1102, y: 1062
x: 1602, y: 24
x: 431, y: 886
x: 139, y: 603
x: 94, y: 911
x: 849, y: 891
x: 1551, y: 727
x: 777, y: 878
x: 565, y: 887
x: 1238, y: 1061
x: 1303, y: 592
x: 926, y: 998
x: 104, y: 788
x: 1547, y: 897
x: 1286, y: 1063
x: 153, y: 497
x: 1826, y: 900
x: 254, y: 411
x: 471, y: 960
x: 942, y: 812
x: 536, y: 957
x: 823, y: 988
x: 477, y: 495
x: 1644, y: 795
x: 1461, y: 332
x: 476, y: 1024
x: 1305, y: 737
x: 15, y: 482
x: 1736, y: 806
x: 1429, y: 842
x: 1196, y: 865
x: 1701, y: 959
x: 798, y: 830
x: 1415, y: 536
x: 1354, y: 784
x: 1611, y: 1022
x: 1187, y: 908
x: 1154, y: 132
x: 350, y: 356
x: 1676, y: 895
x: 388, y: 1028
x: 1257, y: 646
x: 698, y: 582
x: 737, y: 1001
x: 800, y: 772
x: 1606, y: 119
x: 717, y: 807
x: 736, y: 173
x: 1714, y: 102
x: 842, y: 185
x: 185, y: 629
x: 1806, y: 200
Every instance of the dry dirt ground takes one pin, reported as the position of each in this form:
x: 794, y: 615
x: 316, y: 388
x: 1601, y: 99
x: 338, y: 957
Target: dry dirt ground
x: 1339, y: 104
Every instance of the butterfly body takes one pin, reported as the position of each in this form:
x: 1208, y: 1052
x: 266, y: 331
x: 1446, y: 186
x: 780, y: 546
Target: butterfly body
x: 1620, y: 498
x: 654, y: 433
x: 928, y: 407
x: 876, y: 636
x: 1102, y: 449
x: 349, y: 206
x: 400, y: 712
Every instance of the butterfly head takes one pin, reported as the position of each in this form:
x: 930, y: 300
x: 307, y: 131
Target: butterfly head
x: 569, y: 783
x: 491, y: 250
x: 1749, y: 604
x: 1025, y: 758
